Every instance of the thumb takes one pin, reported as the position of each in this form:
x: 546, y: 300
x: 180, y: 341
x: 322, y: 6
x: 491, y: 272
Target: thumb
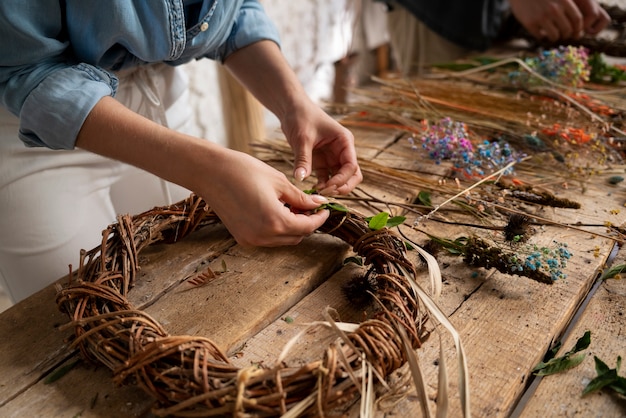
x: 297, y: 199
x: 302, y: 166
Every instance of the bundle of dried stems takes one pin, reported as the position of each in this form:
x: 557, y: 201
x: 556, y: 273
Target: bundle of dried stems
x: 191, y: 376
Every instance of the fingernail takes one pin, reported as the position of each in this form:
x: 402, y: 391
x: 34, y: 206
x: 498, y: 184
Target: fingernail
x: 299, y: 174
x: 320, y: 200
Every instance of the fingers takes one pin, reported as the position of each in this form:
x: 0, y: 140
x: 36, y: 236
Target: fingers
x: 563, y: 21
x: 302, y: 163
x: 569, y: 21
x: 286, y: 229
x: 343, y: 182
x: 595, y: 18
x: 556, y: 20
x: 300, y: 201
x: 547, y: 30
x: 595, y: 26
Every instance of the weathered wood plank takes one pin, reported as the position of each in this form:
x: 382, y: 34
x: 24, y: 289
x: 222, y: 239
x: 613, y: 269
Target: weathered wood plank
x: 85, y: 391
x: 34, y: 346
x: 507, y: 326
x: 240, y: 302
x: 31, y: 344
x: 561, y: 394
x: 260, y: 284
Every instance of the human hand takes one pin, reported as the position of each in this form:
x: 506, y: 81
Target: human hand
x: 556, y: 20
x: 595, y: 18
x: 321, y: 145
x: 258, y: 204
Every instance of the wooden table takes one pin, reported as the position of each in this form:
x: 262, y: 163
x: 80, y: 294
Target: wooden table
x: 262, y: 298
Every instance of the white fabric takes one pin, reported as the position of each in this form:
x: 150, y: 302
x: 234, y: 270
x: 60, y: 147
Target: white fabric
x: 415, y: 46
x: 317, y: 33
x: 55, y: 203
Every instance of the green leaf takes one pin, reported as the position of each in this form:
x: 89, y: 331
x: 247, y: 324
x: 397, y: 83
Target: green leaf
x: 558, y: 364
x: 454, y: 251
x: 605, y: 379
x: 566, y: 361
x: 408, y: 246
x: 424, y: 198
x: 334, y: 206
x: 378, y: 221
x: 330, y: 205
x: 619, y: 386
x: 613, y: 271
x: 582, y: 343
x: 395, y: 221
x: 356, y: 260
x: 601, y: 366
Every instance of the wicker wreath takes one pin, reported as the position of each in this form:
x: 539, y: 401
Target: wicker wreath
x: 189, y: 375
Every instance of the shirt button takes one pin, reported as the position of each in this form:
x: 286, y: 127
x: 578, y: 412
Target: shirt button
x: 204, y: 26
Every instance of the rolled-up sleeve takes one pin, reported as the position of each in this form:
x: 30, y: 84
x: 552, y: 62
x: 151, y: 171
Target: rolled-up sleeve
x: 56, y: 109
x: 51, y: 78
x: 251, y: 25
x: 51, y: 96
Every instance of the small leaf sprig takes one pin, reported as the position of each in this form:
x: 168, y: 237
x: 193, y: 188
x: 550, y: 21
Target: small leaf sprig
x: 379, y: 221
x: 614, y: 272
x: 603, y: 72
x: 607, y: 378
x: 567, y: 361
x: 384, y: 220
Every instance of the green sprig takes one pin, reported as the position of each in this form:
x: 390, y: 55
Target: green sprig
x: 567, y: 361
x: 607, y: 378
x: 383, y: 220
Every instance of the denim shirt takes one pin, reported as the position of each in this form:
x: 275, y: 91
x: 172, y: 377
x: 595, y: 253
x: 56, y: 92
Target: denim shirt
x: 58, y: 57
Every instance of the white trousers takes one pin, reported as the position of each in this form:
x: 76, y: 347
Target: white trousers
x: 55, y: 203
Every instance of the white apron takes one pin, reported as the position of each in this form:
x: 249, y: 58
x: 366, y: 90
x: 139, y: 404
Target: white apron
x: 55, y: 203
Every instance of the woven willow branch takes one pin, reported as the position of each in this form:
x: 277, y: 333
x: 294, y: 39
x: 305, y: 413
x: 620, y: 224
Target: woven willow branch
x: 190, y: 376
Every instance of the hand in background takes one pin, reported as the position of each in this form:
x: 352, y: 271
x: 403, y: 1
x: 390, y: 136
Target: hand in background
x: 595, y: 18
x: 556, y: 20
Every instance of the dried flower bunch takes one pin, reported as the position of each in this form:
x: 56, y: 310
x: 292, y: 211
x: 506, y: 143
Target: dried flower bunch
x: 450, y: 140
x: 564, y: 65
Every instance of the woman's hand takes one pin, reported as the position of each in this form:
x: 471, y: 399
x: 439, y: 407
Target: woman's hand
x: 322, y: 146
x: 556, y: 20
x: 258, y: 204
